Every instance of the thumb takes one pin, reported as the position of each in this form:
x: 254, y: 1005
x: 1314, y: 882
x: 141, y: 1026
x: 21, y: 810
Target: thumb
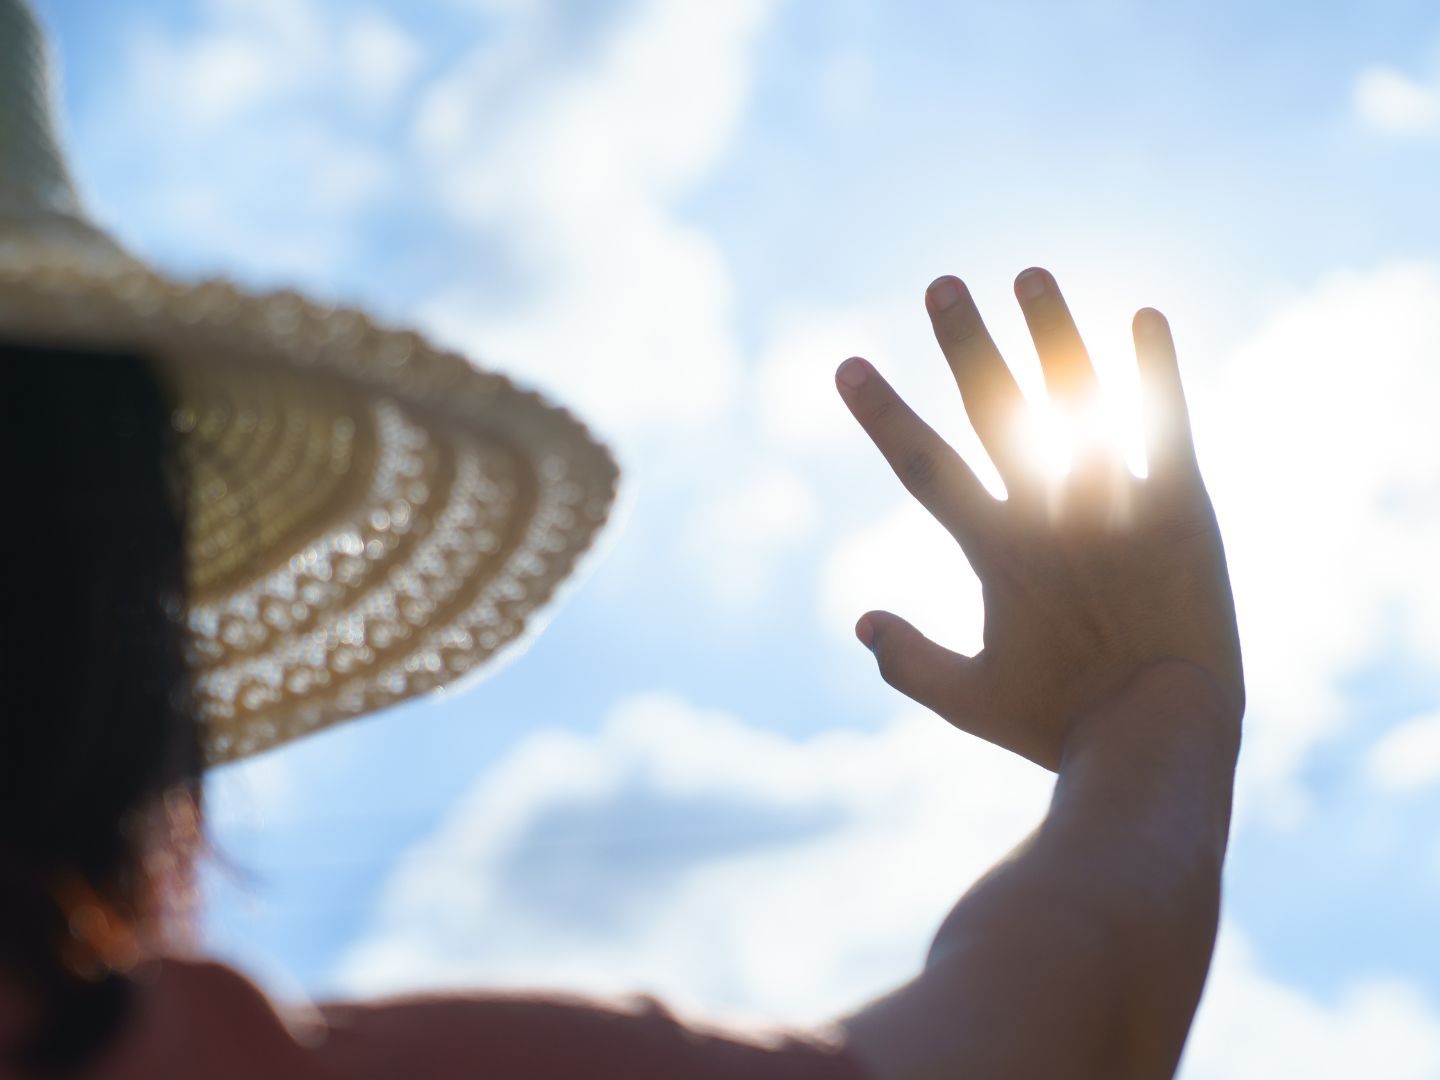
x: 923, y: 671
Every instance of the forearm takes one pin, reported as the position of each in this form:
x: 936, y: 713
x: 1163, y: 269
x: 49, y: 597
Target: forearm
x: 1084, y: 952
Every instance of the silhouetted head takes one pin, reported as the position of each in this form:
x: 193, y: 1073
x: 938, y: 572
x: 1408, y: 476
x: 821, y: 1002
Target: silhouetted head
x: 100, y: 748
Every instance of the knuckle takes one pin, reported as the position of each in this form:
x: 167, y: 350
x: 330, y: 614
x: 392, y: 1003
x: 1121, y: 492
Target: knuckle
x: 918, y: 469
x: 881, y: 410
x: 1049, y: 319
x: 958, y: 330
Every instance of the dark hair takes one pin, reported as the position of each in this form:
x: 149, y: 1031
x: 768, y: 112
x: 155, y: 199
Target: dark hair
x: 99, y: 726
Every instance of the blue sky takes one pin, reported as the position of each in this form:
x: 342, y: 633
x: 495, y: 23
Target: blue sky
x: 678, y: 217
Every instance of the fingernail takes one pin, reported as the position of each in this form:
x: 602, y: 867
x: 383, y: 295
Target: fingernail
x: 1149, y: 322
x: 854, y: 372
x: 944, y: 292
x: 865, y: 631
x: 1031, y: 284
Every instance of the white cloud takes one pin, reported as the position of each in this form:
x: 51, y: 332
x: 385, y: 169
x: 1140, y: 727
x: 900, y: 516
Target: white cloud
x: 904, y: 562
x: 250, y: 793
x: 210, y: 82
x: 631, y: 327
x: 792, y: 390
x: 1252, y: 1027
x: 258, y: 132
x: 643, y: 110
x: 845, y: 87
x: 740, y: 874
x: 573, y: 155
x: 1395, y: 104
x: 258, y: 53
x: 793, y: 384
x: 1407, y: 758
x: 728, y: 868
x: 380, y: 60
x: 1317, y: 437
x: 735, y: 537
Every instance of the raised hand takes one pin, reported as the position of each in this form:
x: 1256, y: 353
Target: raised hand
x: 1090, y: 576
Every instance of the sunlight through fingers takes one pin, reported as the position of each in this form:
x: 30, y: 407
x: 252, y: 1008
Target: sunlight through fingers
x: 1054, y: 439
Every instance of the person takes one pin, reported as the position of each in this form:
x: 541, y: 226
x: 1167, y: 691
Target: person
x: 236, y: 520
x: 1110, y: 656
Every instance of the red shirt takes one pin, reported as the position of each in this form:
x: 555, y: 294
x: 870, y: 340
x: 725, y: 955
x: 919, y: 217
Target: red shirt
x: 206, y: 1020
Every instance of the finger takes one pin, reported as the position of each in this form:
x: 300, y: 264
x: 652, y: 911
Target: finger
x: 927, y: 673
x: 924, y: 462
x: 1169, y: 444
x: 1069, y: 375
x: 993, y: 400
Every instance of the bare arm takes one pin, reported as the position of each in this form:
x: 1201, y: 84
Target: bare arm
x: 1083, y: 954
x: 1111, y: 656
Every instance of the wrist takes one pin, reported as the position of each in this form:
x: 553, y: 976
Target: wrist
x: 1158, y: 758
x: 1165, y: 703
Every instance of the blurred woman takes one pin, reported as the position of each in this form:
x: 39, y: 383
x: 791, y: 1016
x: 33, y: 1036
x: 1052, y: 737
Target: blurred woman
x: 235, y: 520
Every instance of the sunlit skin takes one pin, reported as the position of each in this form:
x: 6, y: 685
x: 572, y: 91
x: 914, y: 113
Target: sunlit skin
x: 1110, y: 655
x: 1085, y: 571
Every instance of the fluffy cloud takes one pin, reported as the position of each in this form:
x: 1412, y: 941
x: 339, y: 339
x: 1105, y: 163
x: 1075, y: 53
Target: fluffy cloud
x: 1317, y: 437
x: 571, y: 148
x: 560, y: 144
x: 743, y: 874
x: 790, y: 389
x: 1407, y: 758
x: 906, y: 563
x: 791, y: 392
x: 728, y: 868
x: 1251, y: 1027
x: 251, y: 54
x: 261, y: 132
x: 736, y: 536
x: 1395, y: 104
x: 250, y: 793
x: 236, y: 64
x: 379, y: 59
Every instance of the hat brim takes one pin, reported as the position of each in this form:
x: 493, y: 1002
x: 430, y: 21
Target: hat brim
x: 370, y: 518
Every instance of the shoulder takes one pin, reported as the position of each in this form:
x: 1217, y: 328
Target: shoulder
x: 203, y: 1018
x: 560, y: 1037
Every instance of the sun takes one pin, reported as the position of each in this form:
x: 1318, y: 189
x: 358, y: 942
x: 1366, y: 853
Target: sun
x: 1053, y: 437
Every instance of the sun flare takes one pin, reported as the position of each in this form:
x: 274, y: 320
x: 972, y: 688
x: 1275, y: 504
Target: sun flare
x: 1053, y: 437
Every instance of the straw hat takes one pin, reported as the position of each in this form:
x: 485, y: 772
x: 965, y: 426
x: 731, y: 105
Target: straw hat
x: 371, y: 518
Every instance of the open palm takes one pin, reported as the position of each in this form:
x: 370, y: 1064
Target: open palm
x: 1087, y: 577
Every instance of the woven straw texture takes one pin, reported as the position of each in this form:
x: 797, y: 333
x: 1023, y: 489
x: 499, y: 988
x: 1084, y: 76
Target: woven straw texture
x: 371, y: 518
